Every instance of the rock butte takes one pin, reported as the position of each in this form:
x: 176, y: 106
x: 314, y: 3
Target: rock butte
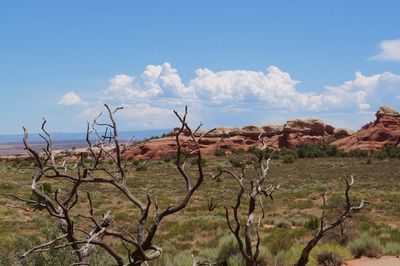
x: 373, y: 136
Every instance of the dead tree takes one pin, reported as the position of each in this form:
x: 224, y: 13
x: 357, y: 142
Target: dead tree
x: 96, y: 232
x: 325, y: 226
x: 254, y: 185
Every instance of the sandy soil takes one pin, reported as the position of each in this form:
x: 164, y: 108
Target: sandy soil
x: 383, y: 261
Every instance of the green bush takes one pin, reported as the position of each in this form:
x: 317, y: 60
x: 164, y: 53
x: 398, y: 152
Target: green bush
x: 282, y: 223
x: 358, y: 153
x: 290, y: 256
x: 365, y: 245
x: 312, y: 223
x: 239, y: 151
x: 182, y: 260
x: 235, y: 260
x: 142, y: 168
x: 235, y: 162
x: 279, y: 240
x: 288, y: 158
x: 227, y: 248
x: 380, y: 155
x: 267, y: 153
x: 265, y: 258
x: 202, y: 162
x: 392, y: 151
x: 392, y: 248
x: 172, y: 156
x: 275, y: 155
x: 328, y: 258
x: 220, y: 152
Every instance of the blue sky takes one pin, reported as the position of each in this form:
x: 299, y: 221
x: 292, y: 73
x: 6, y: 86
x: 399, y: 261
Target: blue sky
x: 233, y: 62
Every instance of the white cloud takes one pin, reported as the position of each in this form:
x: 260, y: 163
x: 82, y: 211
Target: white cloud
x: 150, y: 97
x: 155, y: 81
x: 70, y: 99
x: 160, y: 85
x: 390, y: 51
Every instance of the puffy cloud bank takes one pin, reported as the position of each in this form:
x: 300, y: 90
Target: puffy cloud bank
x: 159, y: 89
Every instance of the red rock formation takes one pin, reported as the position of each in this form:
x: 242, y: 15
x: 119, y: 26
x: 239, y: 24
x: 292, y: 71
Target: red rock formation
x: 375, y: 135
x: 292, y: 134
x: 310, y: 131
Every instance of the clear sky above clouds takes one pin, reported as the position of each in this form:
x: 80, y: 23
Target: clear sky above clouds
x: 232, y: 62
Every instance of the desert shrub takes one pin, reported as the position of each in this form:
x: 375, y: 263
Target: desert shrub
x: 168, y: 157
x: 298, y: 221
x: 310, y: 151
x: 332, y: 151
x: 58, y: 256
x: 22, y: 243
x: 392, y: 248
x: 194, y: 162
x: 365, y: 245
x: 227, y: 248
x: 143, y: 167
x: 290, y: 256
x: 392, y: 151
x: 235, y: 162
x: 5, y: 259
x: 235, y: 260
x: 239, y: 151
x: 121, y: 216
x: 171, y: 157
x: 282, y: 223
x: 275, y: 155
x: 220, y: 152
x: 265, y: 257
x: 312, y: 223
x: 358, y: 153
x: 380, y: 155
x: 302, y: 204
x: 369, y: 161
x: 182, y: 259
x: 208, y: 254
x: 288, y: 158
x: 328, y: 258
x: 100, y: 257
x: 267, y: 153
x: 279, y: 240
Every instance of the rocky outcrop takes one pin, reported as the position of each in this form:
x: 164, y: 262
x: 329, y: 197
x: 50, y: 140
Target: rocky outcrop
x: 310, y: 131
x: 375, y: 135
x: 383, y: 131
x: 292, y: 134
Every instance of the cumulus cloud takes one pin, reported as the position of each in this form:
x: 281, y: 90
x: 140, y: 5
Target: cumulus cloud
x: 389, y: 51
x: 155, y: 81
x: 274, y: 88
x: 150, y: 97
x: 70, y: 99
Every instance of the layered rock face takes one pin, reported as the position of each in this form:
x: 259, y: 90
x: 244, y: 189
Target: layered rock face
x: 290, y: 135
x: 373, y: 136
x: 383, y: 131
